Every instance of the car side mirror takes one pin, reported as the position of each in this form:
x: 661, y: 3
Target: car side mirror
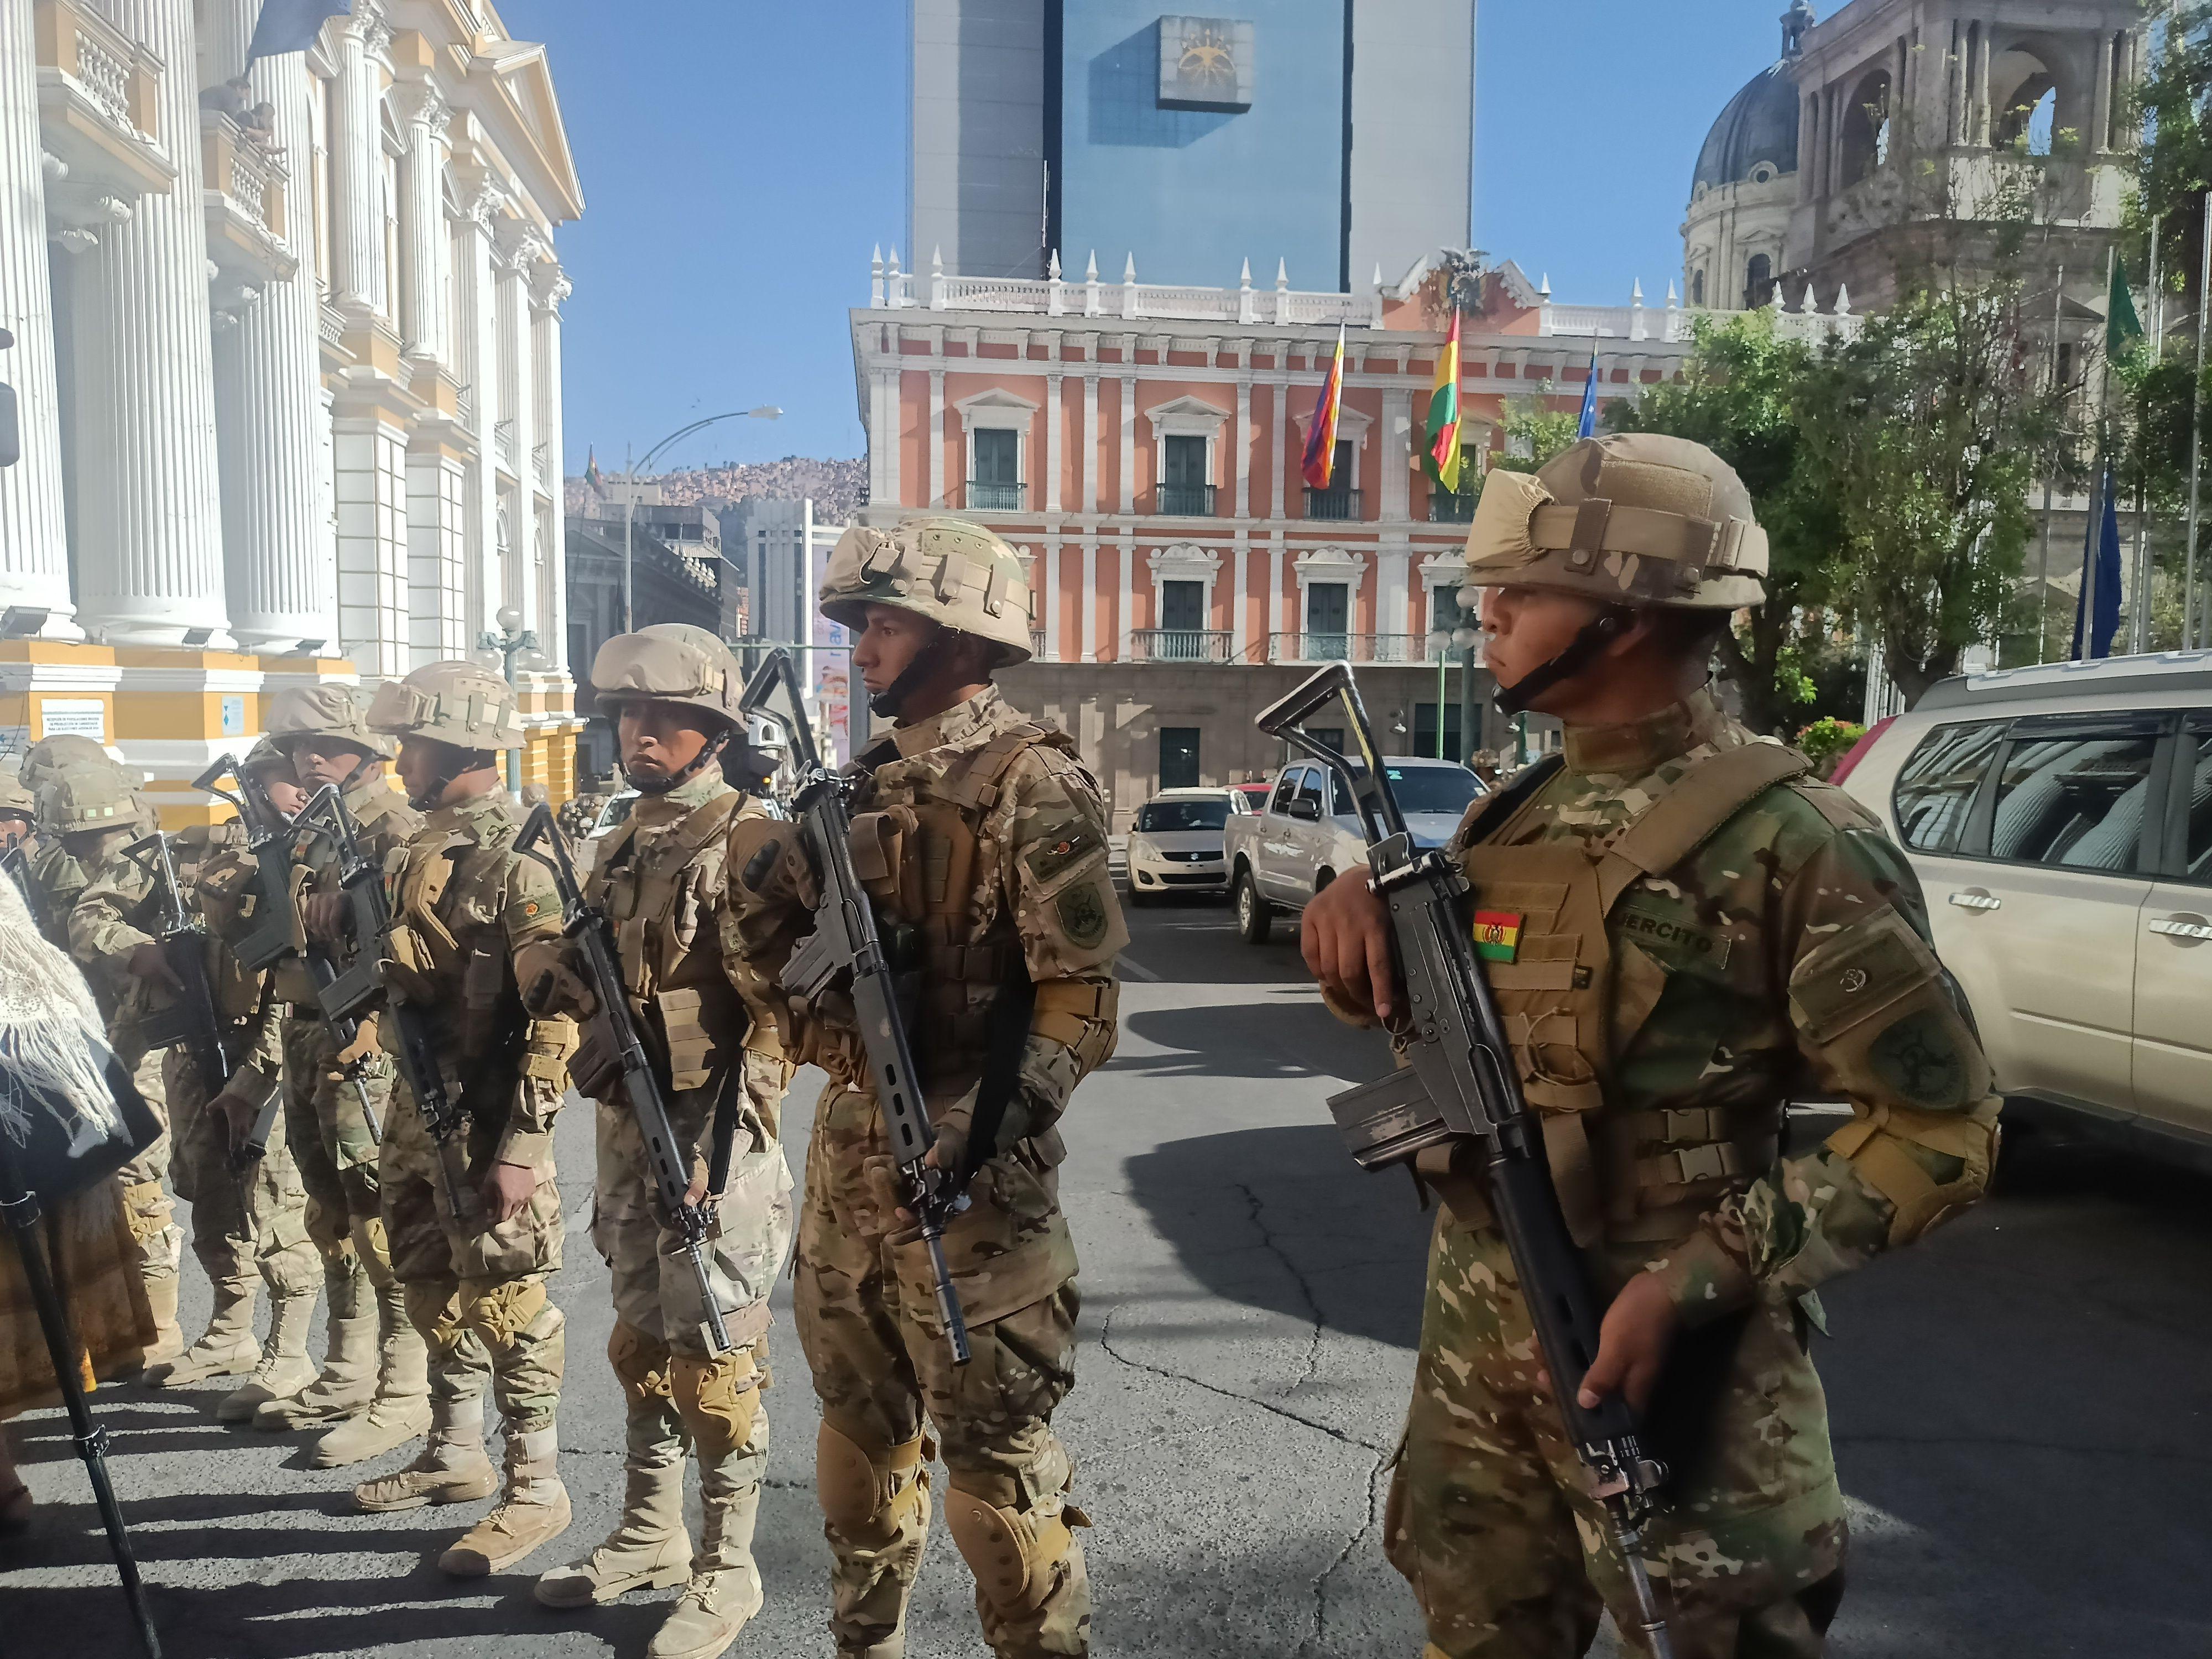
x: 1306, y: 807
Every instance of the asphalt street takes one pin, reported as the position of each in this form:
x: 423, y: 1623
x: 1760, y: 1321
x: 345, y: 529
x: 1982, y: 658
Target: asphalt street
x: 2020, y: 1405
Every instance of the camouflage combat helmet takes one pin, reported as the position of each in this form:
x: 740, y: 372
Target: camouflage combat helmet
x: 457, y: 703
x: 63, y: 750
x: 325, y: 708
x: 671, y: 662
x: 15, y: 798
x: 1636, y: 519
x: 82, y: 798
x: 956, y: 574
x: 266, y: 756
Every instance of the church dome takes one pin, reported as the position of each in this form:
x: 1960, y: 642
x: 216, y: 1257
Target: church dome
x: 1759, y: 125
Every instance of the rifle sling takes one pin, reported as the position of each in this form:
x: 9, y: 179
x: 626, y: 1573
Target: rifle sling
x: 1011, y: 1013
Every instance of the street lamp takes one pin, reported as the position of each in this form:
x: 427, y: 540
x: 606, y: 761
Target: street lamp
x: 765, y: 412
x: 514, y: 641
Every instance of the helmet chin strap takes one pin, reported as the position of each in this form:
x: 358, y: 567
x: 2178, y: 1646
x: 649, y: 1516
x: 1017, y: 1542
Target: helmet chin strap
x: 433, y: 796
x: 889, y: 700
x: 690, y: 769
x: 1581, y: 651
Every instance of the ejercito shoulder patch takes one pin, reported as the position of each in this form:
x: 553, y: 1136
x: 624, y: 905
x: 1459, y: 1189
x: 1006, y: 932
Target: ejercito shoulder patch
x: 1058, y: 850
x: 1082, y: 914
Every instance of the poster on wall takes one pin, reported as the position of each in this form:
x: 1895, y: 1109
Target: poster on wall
x: 81, y: 717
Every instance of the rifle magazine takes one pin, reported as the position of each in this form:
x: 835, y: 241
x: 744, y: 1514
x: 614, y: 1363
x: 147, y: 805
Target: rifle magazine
x: 1388, y: 1121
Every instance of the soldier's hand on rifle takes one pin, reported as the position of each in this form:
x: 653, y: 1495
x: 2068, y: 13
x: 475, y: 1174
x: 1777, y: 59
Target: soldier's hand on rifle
x: 323, y: 914
x: 506, y: 1190
x: 1632, y: 1340
x: 148, y: 962
x: 1345, y: 938
x: 596, y: 1067
x: 364, y: 1045
x: 237, y: 1115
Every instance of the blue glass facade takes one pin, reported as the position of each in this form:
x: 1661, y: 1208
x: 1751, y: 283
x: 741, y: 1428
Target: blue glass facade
x: 1192, y: 193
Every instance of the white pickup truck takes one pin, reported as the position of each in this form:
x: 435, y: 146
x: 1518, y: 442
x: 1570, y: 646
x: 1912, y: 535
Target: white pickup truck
x: 1308, y: 833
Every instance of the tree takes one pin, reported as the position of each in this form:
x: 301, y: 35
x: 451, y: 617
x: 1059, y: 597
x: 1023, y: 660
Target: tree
x: 1736, y: 395
x: 1534, y: 432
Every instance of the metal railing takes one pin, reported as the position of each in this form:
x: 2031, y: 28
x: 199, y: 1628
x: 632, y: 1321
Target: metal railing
x: 1321, y: 646
x: 1182, y: 645
x: 1446, y: 508
x: 985, y: 497
x: 1184, y: 500
x: 890, y: 288
x: 1333, y: 503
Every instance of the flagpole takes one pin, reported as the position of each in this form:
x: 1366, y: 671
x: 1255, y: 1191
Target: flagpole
x: 2089, y: 632
x: 2043, y: 580
x: 2139, y: 622
x: 2189, y: 631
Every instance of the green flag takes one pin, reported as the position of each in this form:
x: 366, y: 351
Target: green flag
x: 2122, y: 325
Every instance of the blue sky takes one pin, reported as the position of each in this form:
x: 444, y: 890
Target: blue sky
x: 740, y: 158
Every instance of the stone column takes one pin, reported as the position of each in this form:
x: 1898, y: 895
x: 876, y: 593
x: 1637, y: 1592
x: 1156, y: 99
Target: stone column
x: 1055, y: 452
x: 476, y: 332
x: 550, y: 286
x: 149, y: 506
x: 423, y: 248
x: 280, y: 559
x: 1126, y: 493
x: 1954, y: 123
x: 519, y: 249
x: 1982, y: 124
x: 357, y: 277
x: 33, y: 530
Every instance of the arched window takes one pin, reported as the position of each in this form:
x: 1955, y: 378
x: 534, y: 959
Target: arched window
x: 1696, y: 287
x: 2026, y: 116
x: 1866, y: 128
x: 1758, y: 282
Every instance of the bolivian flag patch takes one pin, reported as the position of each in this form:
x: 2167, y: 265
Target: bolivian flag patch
x: 1498, y: 934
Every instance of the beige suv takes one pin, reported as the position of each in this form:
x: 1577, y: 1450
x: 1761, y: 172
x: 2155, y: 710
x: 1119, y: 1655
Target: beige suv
x: 2060, y: 819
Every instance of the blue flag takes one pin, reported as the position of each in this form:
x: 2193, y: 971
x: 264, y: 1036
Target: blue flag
x: 1589, y: 400
x: 292, y: 25
x: 2101, y: 568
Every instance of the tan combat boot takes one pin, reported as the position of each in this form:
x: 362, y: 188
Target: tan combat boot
x: 284, y: 1369
x: 401, y: 1409
x: 347, y: 1382
x: 725, y: 1591
x: 226, y: 1348
x: 168, y: 1337
x: 452, y: 1468
x: 648, y: 1547
x: 534, y: 1511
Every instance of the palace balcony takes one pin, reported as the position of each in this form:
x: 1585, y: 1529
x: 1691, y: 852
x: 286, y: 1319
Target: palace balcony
x: 244, y: 186
x: 988, y: 497
x: 1184, y: 500
x: 1182, y: 645
x: 1335, y: 503
x: 98, y: 108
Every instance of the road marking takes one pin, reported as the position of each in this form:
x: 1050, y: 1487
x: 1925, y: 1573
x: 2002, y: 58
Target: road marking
x: 1133, y: 969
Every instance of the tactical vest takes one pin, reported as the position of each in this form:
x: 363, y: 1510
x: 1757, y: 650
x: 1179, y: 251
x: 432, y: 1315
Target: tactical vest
x: 448, y: 945
x: 942, y: 899
x: 1569, y: 1008
x: 214, y: 871
x: 662, y: 890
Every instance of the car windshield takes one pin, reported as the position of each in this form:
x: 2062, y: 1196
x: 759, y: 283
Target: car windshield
x: 1251, y: 796
x: 1161, y: 815
x: 1428, y: 788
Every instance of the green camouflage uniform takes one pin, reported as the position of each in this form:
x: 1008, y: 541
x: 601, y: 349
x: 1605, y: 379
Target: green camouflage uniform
x: 245, y: 1220
x: 463, y: 902
x: 1787, y: 955
x: 983, y: 842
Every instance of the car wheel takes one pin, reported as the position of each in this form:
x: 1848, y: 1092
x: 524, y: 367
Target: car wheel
x: 1141, y: 899
x: 1254, y: 915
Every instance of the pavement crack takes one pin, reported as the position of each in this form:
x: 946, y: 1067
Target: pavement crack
x: 1106, y: 1341
x: 1274, y: 1247
x: 1375, y: 1485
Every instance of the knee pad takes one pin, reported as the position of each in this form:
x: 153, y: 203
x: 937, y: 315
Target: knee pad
x: 1014, y: 1548
x: 375, y: 1249
x: 500, y: 1312
x: 436, y: 1312
x: 640, y: 1363
x: 867, y: 1494
x: 717, y: 1398
x: 146, y: 1209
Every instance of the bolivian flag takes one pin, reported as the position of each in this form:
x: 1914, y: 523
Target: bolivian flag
x: 592, y: 472
x: 1443, y: 458
x: 1498, y: 934
x: 1321, y: 436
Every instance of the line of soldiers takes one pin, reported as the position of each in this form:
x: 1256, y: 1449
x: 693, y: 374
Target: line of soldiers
x: 405, y: 1171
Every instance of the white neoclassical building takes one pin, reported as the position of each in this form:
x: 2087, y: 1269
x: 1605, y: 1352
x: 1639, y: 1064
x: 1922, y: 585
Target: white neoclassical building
x: 288, y: 365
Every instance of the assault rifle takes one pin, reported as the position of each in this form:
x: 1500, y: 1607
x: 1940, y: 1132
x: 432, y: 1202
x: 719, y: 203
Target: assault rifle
x: 17, y: 867
x: 271, y: 838
x: 594, y: 938
x: 351, y: 989
x: 1460, y: 1085
x: 845, y: 946
x: 190, y: 1020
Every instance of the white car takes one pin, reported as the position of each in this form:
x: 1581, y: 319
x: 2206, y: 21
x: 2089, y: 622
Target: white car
x: 1174, y: 846
x: 612, y: 816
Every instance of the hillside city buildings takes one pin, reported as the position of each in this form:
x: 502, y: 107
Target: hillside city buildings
x: 288, y: 365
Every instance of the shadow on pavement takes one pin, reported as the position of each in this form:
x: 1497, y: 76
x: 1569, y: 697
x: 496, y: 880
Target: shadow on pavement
x: 1282, y: 1219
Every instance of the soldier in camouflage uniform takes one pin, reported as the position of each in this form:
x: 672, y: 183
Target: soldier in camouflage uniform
x: 473, y: 1263
x: 373, y: 1392
x: 87, y: 814
x: 982, y: 841
x: 19, y: 814
x: 663, y: 880
x: 249, y: 1219
x: 1683, y: 931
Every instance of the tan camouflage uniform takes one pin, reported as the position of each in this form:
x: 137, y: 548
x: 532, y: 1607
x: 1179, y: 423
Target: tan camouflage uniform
x: 662, y: 880
x: 373, y: 1386
x: 1683, y: 931
x: 249, y: 1220
x: 463, y: 903
x: 983, y: 841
